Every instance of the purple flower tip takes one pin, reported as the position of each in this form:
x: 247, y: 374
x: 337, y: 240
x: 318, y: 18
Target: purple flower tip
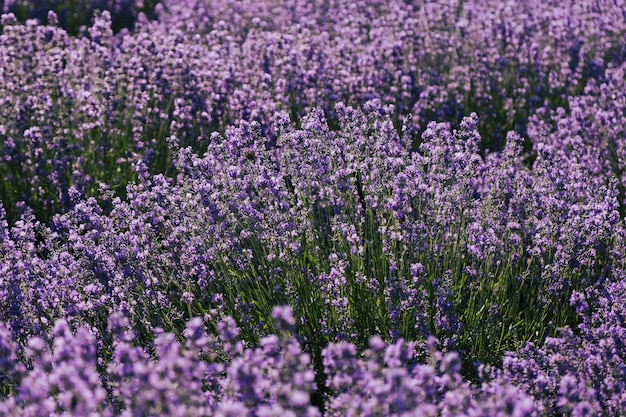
x: 283, y: 317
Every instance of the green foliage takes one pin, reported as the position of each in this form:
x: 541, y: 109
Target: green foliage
x: 75, y: 15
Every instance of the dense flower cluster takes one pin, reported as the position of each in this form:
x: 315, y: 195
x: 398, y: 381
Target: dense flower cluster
x: 274, y: 379
x: 314, y: 208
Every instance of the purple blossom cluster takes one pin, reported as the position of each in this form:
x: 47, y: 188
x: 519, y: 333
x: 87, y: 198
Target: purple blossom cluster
x: 274, y: 379
x: 314, y: 208
x: 67, y: 376
x: 580, y: 372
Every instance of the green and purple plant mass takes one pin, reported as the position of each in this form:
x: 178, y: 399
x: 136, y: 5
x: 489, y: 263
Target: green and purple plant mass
x: 313, y: 208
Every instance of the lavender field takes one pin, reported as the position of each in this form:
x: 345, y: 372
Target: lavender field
x: 313, y: 208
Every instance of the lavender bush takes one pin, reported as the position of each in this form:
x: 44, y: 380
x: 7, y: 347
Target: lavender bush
x: 354, y: 208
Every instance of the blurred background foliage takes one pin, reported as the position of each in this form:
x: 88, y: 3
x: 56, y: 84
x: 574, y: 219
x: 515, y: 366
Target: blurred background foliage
x: 75, y: 16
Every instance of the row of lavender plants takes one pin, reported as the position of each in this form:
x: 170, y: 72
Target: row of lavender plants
x: 77, y: 111
x: 360, y: 237
x: 243, y: 210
